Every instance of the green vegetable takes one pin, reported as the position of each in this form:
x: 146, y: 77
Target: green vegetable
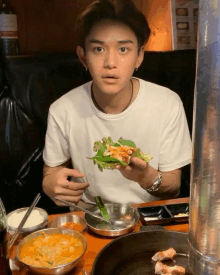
x: 102, y: 208
x: 107, y: 162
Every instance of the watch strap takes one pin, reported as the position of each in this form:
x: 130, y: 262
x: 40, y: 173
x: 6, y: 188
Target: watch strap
x: 156, y: 184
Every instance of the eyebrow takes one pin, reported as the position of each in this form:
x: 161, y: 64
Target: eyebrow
x: 96, y: 41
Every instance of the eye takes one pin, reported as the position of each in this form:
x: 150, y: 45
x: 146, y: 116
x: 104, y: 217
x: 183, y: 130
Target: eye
x: 98, y: 49
x: 123, y: 49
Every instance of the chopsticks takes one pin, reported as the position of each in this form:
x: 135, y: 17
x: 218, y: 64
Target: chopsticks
x: 83, y: 209
x: 13, y: 239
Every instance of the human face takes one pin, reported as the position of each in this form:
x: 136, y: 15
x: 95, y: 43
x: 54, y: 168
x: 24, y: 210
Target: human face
x: 111, y: 55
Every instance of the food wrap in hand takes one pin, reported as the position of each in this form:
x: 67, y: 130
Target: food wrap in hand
x: 110, y: 154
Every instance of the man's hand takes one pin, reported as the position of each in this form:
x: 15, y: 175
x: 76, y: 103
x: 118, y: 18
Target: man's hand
x: 56, y: 184
x: 144, y: 174
x: 137, y: 171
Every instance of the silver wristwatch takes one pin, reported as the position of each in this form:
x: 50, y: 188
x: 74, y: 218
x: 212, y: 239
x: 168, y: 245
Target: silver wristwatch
x: 156, y: 184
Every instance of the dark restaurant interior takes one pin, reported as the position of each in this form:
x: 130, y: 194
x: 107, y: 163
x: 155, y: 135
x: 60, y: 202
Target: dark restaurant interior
x: 39, y: 66
x: 47, y: 67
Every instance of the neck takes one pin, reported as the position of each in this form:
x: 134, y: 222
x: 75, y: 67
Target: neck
x: 113, y: 104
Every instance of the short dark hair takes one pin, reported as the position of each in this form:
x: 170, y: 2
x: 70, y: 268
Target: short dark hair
x: 123, y: 11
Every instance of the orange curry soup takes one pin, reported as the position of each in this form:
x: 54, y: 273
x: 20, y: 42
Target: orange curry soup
x: 51, y: 250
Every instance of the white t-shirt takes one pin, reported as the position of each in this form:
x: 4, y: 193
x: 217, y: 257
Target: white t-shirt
x: 155, y: 122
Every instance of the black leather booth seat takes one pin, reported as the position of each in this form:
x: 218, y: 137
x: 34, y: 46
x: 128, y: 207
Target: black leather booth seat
x: 28, y: 85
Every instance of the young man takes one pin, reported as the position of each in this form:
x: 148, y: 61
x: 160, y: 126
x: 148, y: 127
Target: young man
x: 111, y: 39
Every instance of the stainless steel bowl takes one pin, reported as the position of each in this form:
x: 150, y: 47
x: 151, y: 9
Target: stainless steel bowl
x: 60, y: 269
x: 61, y: 220
x: 27, y: 230
x: 123, y: 216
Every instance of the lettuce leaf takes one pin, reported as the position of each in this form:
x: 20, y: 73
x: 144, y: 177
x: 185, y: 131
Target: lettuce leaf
x: 100, y: 144
x: 107, y: 162
x: 126, y: 142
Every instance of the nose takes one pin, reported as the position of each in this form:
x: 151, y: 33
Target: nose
x: 110, y: 61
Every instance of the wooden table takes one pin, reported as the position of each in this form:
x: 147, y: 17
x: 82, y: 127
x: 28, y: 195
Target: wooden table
x: 95, y: 243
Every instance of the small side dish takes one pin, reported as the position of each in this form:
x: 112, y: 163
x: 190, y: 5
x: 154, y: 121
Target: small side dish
x: 164, y: 214
x: 72, y: 225
x: 181, y: 215
x: 69, y: 221
x: 34, y: 219
x: 37, y: 220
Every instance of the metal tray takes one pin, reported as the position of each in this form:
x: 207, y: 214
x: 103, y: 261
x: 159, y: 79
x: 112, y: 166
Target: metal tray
x: 164, y: 214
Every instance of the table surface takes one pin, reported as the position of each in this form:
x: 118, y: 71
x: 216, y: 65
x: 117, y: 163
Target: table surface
x: 95, y: 242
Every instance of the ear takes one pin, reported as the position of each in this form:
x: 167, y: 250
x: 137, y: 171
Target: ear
x: 81, y: 55
x: 140, y: 57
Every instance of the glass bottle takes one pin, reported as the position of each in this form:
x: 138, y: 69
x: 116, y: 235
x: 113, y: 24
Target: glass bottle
x: 8, y: 29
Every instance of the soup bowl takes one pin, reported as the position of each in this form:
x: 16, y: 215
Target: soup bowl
x: 59, y: 269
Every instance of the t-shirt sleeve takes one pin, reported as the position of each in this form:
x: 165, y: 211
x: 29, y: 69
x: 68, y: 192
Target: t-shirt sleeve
x: 56, y: 150
x: 176, y: 146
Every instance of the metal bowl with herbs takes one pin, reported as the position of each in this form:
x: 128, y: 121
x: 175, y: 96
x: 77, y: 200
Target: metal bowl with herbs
x: 122, y: 216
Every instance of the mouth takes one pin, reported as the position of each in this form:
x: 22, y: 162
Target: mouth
x: 110, y: 77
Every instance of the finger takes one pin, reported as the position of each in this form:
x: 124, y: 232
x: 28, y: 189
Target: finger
x: 68, y: 192
x: 121, y: 167
x: 127, y: 168
x: 141, y: 164
x: 75, y: 185
x: 72, y: 199
x: 72, y: 173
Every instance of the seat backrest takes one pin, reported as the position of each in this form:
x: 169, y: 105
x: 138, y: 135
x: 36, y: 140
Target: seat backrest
x: 30, y: 85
